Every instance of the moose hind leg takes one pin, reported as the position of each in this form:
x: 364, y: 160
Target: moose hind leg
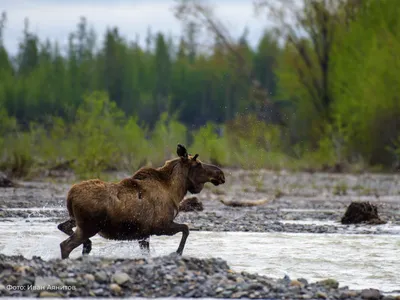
x: 67, y: 226
x: 75, y: 240
x: 173, y: 229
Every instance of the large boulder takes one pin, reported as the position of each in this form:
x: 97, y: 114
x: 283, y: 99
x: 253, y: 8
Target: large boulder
x: 362, y: 212
x: 5, y: 181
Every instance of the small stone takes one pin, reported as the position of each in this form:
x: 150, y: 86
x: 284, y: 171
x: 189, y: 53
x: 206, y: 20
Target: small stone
x: 71, y: 282
x: 98, y: 292
x: 101, y: 276
x: 115, y: 288
x: 239, y: 279
x: 226, y: 294
x: 168, y: 277
x: 5, y: 181
x: 371, y: 294
x: 89, y: 277
x: 45, y: 281
x: 329, y: 283
x: 219, y: 290
x: 321, y: 295
x: 22, y: 269
x: 2, y: 287
x: 348, y: 294
x: 46, y: 294
x: 303, y: 281
x: 120, y: 278
x: 296, y: 283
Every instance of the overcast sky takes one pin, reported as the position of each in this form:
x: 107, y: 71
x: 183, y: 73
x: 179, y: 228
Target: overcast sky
x: 55, y: 19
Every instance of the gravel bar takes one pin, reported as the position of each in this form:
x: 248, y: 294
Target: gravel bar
x: 165, y: 276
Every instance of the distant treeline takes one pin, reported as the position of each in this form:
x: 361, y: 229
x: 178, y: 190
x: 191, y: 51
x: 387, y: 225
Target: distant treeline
x: 162, y: 77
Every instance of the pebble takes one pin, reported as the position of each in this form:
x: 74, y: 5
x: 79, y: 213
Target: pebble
x: 45, y: 281
x: 120, y: 278
x: 89, y: 277
x: 46, y: 294
x: 101, y: 276
x: 322, y: 295
x: 371, y: 294
x: 296, y: 283
x: 329, y: 283
x: 115, y: 288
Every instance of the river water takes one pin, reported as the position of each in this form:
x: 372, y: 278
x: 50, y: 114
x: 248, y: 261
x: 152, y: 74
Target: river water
x: 356, y: 260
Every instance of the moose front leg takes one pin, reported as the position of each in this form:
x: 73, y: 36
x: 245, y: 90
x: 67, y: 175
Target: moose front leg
x: 173, y: 229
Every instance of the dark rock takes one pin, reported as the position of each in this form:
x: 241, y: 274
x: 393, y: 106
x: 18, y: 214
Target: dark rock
x: 371, y: 294
x: 5, y: 181
x: 362, y: 212
x: 190, y: 204
x: 329, y: 283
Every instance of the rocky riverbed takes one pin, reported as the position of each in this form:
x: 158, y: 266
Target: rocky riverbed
x: 292, y: 202
x: 166, y: 276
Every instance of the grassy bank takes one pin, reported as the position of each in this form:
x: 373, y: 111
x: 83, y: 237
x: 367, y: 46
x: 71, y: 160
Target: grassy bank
x: 102, y: 138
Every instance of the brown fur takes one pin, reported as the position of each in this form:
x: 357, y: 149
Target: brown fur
x: 137, y: 207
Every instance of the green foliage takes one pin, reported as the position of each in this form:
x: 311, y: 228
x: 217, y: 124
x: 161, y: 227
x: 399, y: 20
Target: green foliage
x: 93, y: 131
x: 365, y: 76
x: 133, y: 147
x: 210, y: 146
x: 17, y: 155
x: 167, y: 133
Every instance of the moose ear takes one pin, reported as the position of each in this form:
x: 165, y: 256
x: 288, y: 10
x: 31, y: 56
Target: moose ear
x: 181, y: 151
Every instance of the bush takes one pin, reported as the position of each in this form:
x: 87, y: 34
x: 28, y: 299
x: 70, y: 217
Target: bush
x: 94, y: 140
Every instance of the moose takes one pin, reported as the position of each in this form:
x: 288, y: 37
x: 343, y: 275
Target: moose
x: 136, y: 207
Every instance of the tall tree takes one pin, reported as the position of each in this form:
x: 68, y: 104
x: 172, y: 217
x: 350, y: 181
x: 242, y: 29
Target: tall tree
x: 162, y: 63
x: 28, y: 58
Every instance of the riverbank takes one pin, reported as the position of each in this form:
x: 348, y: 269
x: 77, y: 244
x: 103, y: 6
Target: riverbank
x: 166, y: 276
x: 293, y: 202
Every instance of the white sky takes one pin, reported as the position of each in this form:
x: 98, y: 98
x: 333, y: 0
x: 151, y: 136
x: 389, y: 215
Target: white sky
x: 56, y: 19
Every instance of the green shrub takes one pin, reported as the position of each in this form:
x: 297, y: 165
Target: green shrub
x: 167, y: 133
x: 133, y: 148
x: 209, y: 146
x: 94, y: 141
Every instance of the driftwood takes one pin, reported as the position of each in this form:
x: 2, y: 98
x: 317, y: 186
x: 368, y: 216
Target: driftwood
x: 244, y: 203
x: 362, y: 212
x: 190, y: 204
x: 5, y: 181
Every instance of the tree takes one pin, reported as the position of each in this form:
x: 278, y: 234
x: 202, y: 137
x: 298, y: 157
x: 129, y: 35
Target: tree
x: 28, y: 52
x: 162, y: 74
x: 194, y: 11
